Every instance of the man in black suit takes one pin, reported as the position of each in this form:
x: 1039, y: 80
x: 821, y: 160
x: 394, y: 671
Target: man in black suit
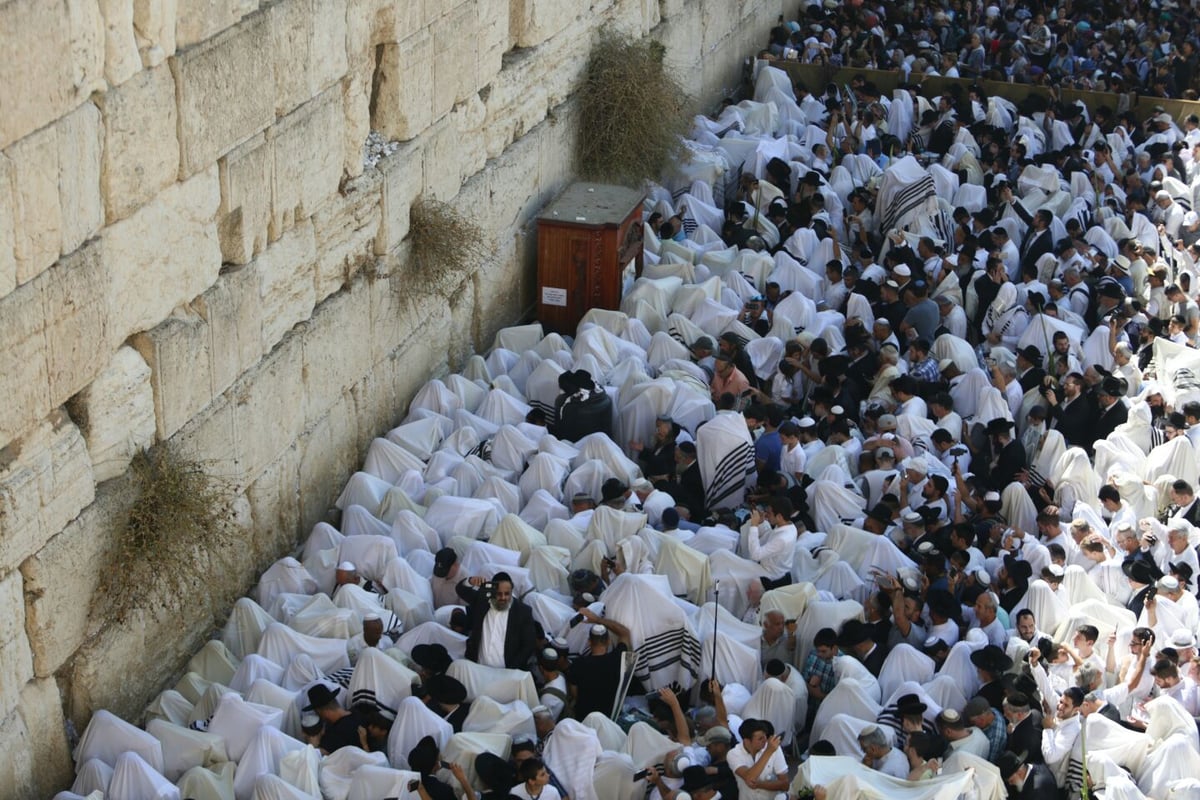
x: 1029, y: 368
x: 1038, y: 239
x: 1110, y: 399
x: 1025, y: 727
x: 855, y: 638
x: 688, y: 486
x: 1183, y: 496
x: 1026, y: 778
x: 1009, y: 460
x: 1094, y: 703
x: 502, y: 632
x: 1071, y: 412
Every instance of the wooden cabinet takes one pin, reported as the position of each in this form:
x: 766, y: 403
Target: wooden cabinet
x: 586, y: 239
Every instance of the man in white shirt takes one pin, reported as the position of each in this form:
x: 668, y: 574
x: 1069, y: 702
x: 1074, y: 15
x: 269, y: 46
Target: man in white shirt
x: 881, y: 756
x: 962, y: 736
x: 758, y: 763
x: 771, y: 541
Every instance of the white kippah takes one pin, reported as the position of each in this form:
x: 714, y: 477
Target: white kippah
x: 347, y: 566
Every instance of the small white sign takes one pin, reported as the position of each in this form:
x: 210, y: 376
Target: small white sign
x: 553, y: 297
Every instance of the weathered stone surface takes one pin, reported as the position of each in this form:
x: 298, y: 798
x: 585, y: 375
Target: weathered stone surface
x: 154, y: 30
x: 534, y: 21
x: 37, y: 213
x: 287, y: 288
x: 307, y: 160
x: 403, y: 178
x: 234, y: 314
x: 454, y: 66
x: 80, y: 141
x: 328, y: 59
x: 270, y: 406
x: 45, y: 479
x: 346, y: 229
x: 116, y: 413
x: 245, y: 213
x: 177, y: 352
x: 16, y: 662
x: 61, y: 578
x: 163, y: 255
x: 334, y: 359
x: 309, y: 49
x: 42, y: 712
x: 404, y: 92
x: 23, y: 361
x: 197, y: 20
x: 53, y: 60
x: 328, y: 457
x: 223, y: 96
x: 78, y: 336
x: 274, y: 500
x: 141, y: 143
x: 121, y: 59
x: 8, y: 259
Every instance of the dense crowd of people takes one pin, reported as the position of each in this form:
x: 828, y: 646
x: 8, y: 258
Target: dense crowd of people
x: 881, y: 481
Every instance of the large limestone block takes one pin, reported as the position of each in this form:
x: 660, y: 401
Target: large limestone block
x: 328, y: 58
x: 16, y: 661
x: 121, y: 59
x: 154, y: 29
x: 270, y: 409
x: 287, y: 287
x: 494, y: 39
x: 455, y: 70
x: 307, y: 160
x: 309, y: 49
x: 403, y: 179
x: 45, y: 479
x: 404, y: 92
x: 346, y: 229
x: 328, y: 457
x: 534, y: 21
x: 244, y: 217
x: 356, y: 111
x: 37, y: 214
x: 8, y: 258
x: 179, y: 366
x: 80, y: 141
x: 116, y: 413
x: 198, y: 20
x: 163, y: 255
x: 53, y: 60
x: 141, y: 142
x: 23, y: 361
x: 61, y: 578
x: 78, y: 336
x: 235, y: 321
x: 274, y: 502
x: 36, y: 760
x: 223, y: 96
x: 335, y: 351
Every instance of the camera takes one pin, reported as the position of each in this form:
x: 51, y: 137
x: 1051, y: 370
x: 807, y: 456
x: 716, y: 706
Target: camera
x: 413, y: 785
x: 489, y: 589
x: 575, y: 620
x: 640, y: 775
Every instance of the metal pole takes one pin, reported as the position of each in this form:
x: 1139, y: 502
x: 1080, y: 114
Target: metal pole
x: 716, y: 617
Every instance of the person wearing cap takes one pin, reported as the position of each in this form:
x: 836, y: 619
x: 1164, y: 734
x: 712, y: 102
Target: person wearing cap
x: 657, y: 459
x: 554, y: 691
x: 1008, y: 459
x: 1071, y: 414
x: 881, y: 756
x: 770, y: 538
x: 1024, y: 726
x: 594, y: 678
x: 340, y: 727
x: 502, y: 632
x: 448, y: 699
x: 955, y: 729
x: 372, y: 635
x: 445, y: 578
x: 346, y: 574
x: 856, y: 639
x: 1110, y: 400
x: 1026, y: 779
x: 985, y: 717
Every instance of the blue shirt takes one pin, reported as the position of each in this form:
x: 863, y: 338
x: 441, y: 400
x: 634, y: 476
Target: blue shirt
x: 769, y: 449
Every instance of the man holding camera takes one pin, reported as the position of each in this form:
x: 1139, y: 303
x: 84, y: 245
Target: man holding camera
x: 502, y: 632
x: 771, y: 541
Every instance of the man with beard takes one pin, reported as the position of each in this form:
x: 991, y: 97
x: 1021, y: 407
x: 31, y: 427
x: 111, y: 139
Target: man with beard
x: 1071, y: 414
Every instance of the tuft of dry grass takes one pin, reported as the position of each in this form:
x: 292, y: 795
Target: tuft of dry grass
x: 180, y: 515
x: 446, y: 245
x: 633, y: 113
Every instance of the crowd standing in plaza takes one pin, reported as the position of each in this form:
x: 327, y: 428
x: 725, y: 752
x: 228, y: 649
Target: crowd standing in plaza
x: 882, y: 480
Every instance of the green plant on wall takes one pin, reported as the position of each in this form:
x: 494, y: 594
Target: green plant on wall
x: 447, y: 245
x: 633, y: 112
x: 178, y: 522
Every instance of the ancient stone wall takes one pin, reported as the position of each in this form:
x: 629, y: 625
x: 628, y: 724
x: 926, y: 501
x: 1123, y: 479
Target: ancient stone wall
x: 192, y: 252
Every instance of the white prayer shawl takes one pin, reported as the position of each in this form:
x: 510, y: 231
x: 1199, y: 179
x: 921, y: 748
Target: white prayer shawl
x: 647, y: 745
x: 208, y: 783
x: 170, y: 706
x: 363, y: 489
x: 267, y: 749
x: 833, y: 504
x: 850, y: 697
x: 463, y: 748
x: 252, y: 668
x: 244, y: 628
x: 571, y: 754
x: 775, y: 702
x: 464, y: 516
x: 414, y: 721
x: 107, y: 736
x: 1049, y: 609
x: 502, y: 685
x: 545, y: 472
x: 434, y: 396
x: 136, y: 779
x: 667, y: 648
x: 370, y: 781
x: 736, y: 662
x: 281, y: 644
x: 514, y: 720
x: 611, y: 526
x: 285, y: 575
x: 1176, y: 457
x: 865, y: 551
x: 904, y: 663
x: 213, y: 662
x: 238, y: 722
x: 433, y: 633
x: 958, y: 666
x: 945, y: 692
x: 826, y: 614
x: 1074, y: 472
x: 1118, y: 456
x: 610, y: 735
x: 91, y: 776
x: 381, y: 681
x: 725, y: 451
x: 339, y: 768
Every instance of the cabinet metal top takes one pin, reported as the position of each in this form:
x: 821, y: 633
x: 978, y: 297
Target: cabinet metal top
x: 592, y: 204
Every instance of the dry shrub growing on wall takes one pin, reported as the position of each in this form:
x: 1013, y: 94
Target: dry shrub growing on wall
x: 446, y: 246
x: 180, y: 519
x: 633, y: 112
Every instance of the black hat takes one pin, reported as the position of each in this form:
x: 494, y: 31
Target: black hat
x: 703, y: 343
x: 853, y: 632
x: 1018, y: 569
x: 1177, y: 421
x: 812, y: 178
x: 432, y: 657
x: 581, y: 580
x: 833, y: 365
x: 881, y: 513
x: 1031, y: 354
x: 446, y: 690
x: 1140, y: 571
x: 612, y: 489
x: 696, y: 778
x: 910, y: 705
x: 424, y: 757
x: 998, y: 426
x: 992, y: 659
x: 1112, y: 290
x: 320, y: 696
x: 1111, y: 386
x: 1182, y: 570
x: 494, y: 771
x: 732, y: 338
x: 944, y: 604
x: 1009, y: 762
x: 443, y: 561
